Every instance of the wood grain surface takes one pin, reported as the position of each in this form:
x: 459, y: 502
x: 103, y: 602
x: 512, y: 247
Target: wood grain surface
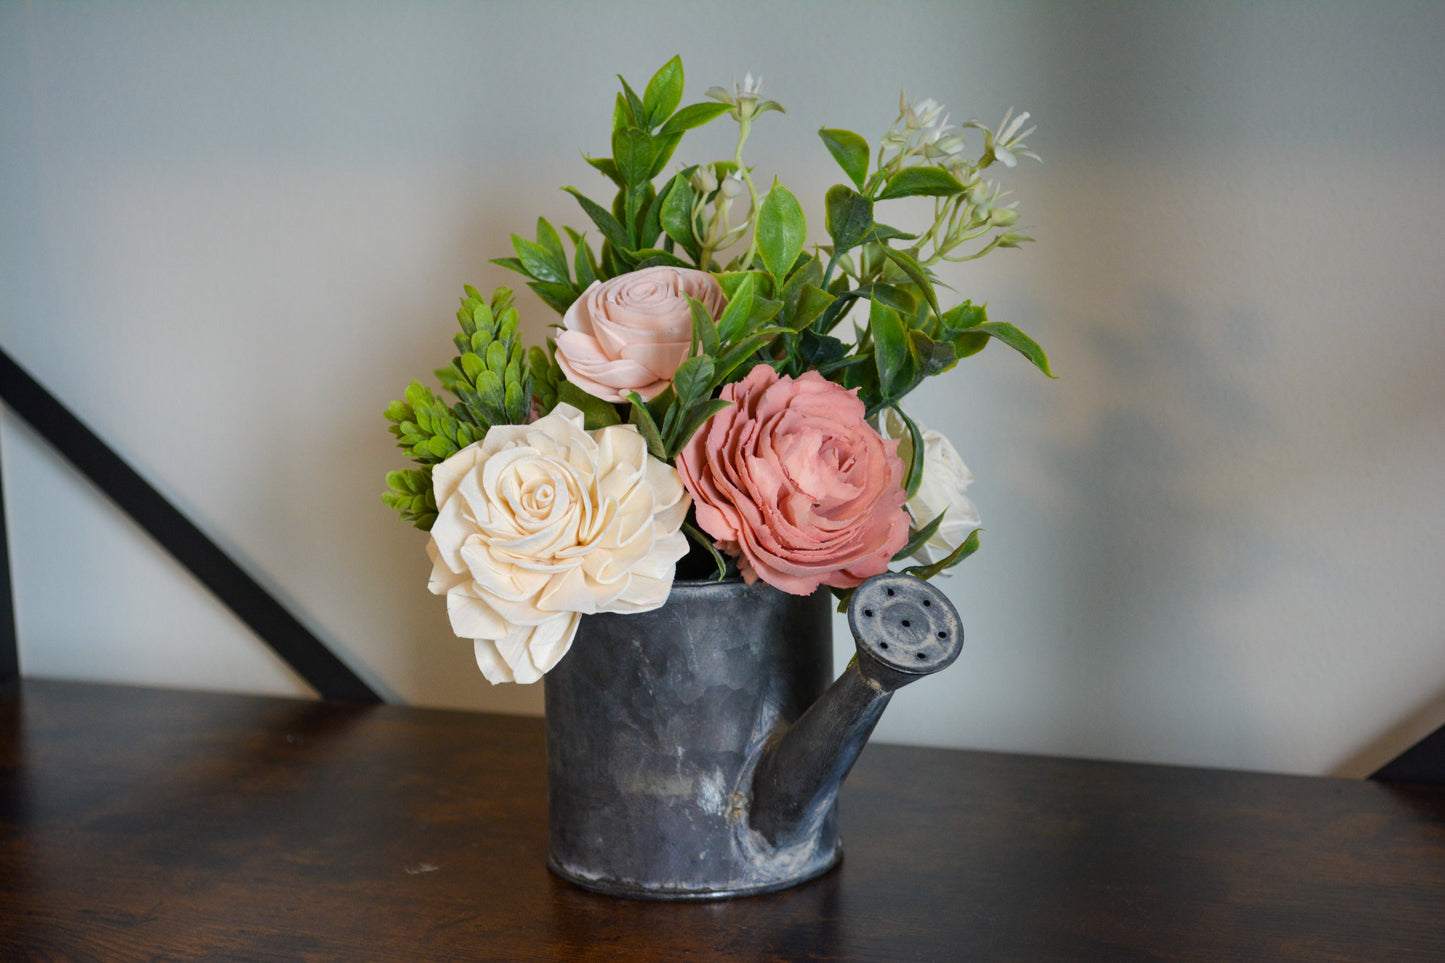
x: 144, y: 824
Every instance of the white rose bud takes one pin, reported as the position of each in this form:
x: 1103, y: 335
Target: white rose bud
x: 941, y: 492
x: 1003, y: 217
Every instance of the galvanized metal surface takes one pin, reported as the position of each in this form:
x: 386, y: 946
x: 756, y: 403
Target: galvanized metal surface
x: 657, y: 723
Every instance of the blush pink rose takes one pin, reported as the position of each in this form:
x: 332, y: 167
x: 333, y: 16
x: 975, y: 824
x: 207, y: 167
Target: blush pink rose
x: 631, y: 333
x: 795, y: 483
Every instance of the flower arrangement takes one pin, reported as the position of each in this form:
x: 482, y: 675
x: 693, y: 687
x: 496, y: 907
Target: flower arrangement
x: 702, y: 407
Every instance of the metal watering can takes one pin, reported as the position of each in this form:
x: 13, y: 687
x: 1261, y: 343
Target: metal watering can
x: 696, y: 751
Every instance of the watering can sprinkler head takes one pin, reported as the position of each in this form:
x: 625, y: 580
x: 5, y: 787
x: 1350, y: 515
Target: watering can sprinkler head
x: 904, y: 629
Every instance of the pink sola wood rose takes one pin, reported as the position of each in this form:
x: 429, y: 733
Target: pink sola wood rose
x: 631, y: 333
x: 538, y: 524
x: 793, y: 481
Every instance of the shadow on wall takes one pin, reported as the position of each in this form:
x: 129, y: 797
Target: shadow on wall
x: 1150, y: 461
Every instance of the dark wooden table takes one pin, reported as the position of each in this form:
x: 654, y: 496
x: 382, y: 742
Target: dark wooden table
x: 155, y: 824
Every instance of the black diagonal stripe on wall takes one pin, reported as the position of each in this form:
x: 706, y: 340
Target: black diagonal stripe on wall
x: 276, y: 626
x: 9, y: 642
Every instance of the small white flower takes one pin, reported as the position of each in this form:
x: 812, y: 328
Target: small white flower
x: 1006, y: 216
x: 733, y: 186
x: 703, y: 181
x: 1008, y: 144
x: 950, y: 146
x: 919, y: 114
x: 745, y: 99
x: 942, y: 491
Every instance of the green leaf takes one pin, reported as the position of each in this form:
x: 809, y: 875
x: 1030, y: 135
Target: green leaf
x: 584, y: 262
x: 397, y: 481
x: 596, y: 413
x: 704, y: 328
x: 764, y: 310
x: 641, y: 418
x: 932, y: 357
x: 610, y: 226
x: 899, y: 299
x: 801, y: 294
x: 632, y: 104
x: 926, y: 181
x: 737, y: 354
x: 547, y: 237
x: 489, y: 389
x: 496, y: 356
x: 701, y: 539
x: 817, y: 350
x: 516, y: 403
x: 969, y: 546
x: 666, y: 144
x: 781, y: 231
x: 696, y: 417
x: 958, y: 325
x: 916, y: 450
x: 539, y: 262
x: 733, y: 321
x: 812, y: 302
x: 838, y: 306
x: 609, y: 167
x: 890, y: 344
x: 965, y: 315
x: 693, y: 379
x: 850, y: 150
x: 920, y: 538
x: 915, y: 273
x: 512, y: 264
x: 410, y: 494
x: 440, y: 447
x: 652, y: 256
x: 850, y: 217
x: 693, y: 115
x: 676, y: 214
x: 732, y: 282
x: 1017, y: 340
x: 559, y: 297
x: 663, y: 93
x: 635, y: 151
x: 882, y: 232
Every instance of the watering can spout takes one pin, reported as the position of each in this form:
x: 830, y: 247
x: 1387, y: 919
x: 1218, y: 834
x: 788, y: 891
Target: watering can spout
x: 904, y: 629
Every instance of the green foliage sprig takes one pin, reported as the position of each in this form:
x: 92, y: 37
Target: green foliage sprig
x: 646, y: 131
x: 493, y: 386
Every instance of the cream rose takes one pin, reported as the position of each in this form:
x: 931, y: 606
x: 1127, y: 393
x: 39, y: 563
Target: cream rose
x: 631, y: 333
x: 539, y: 524
x: 942, y: 491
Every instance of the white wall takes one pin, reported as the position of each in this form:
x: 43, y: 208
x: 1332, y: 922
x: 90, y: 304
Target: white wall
x: 231, y: 232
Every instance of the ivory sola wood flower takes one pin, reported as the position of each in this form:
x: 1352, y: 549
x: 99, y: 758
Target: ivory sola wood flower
x: 538, y: 524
